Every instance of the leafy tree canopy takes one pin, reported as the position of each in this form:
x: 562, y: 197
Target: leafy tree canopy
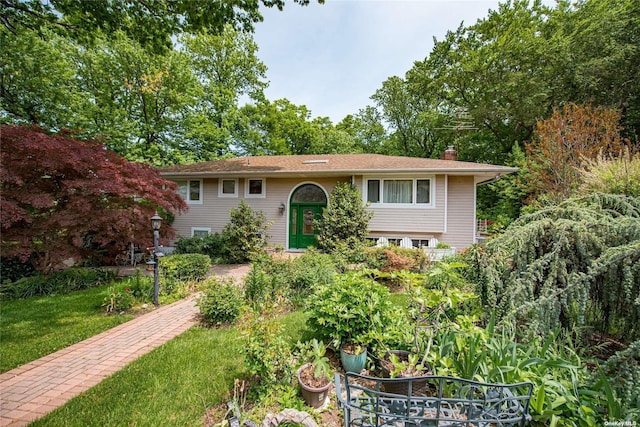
x: 510, y: 70
x: 151, y: 23
x: 281, y: 127
x: 63, y: 198
x: 177, y: 106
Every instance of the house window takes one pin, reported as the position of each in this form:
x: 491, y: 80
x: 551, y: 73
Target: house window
x: 423, y: 191
x: 399, y: 191
x: 200, y: 231
x: 255, y: 187
x: 228, y: 188
x: 191, y: 191
x: 373, y: 191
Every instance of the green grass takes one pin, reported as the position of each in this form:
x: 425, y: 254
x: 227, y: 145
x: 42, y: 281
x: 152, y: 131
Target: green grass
x: 37, y: 326
x: 173, y: 385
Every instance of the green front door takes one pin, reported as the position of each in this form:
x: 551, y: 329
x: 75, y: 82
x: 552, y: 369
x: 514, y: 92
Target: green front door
x: 305, y: 207
x: 302, y: 230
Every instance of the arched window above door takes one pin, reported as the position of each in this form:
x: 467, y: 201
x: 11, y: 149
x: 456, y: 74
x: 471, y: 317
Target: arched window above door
x: 308, y: 193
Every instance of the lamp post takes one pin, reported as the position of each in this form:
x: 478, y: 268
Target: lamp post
x: 156, y: 221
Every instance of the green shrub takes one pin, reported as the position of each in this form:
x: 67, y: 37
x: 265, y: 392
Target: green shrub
x: 310, y: 270
x: 118, y: 300
x: 267, y: 354
x: 345, y: 220
x: 59, y: 282
x: 184, y: 267
x: 141, y: 287
x: 271, y: 279
x: 353, y: 309
x: 221, y: 301
x: 212, y: 245
x: 246, y: 234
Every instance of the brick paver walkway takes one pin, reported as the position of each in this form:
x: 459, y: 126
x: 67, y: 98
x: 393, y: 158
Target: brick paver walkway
x: 32, y: 390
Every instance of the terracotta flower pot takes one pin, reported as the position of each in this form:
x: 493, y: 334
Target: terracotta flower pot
x: 313, y: 396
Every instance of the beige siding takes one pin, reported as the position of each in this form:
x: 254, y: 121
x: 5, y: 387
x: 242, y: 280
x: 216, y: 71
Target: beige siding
x: 451, y: 219
x: 213, y: 213
x: 460, y: 212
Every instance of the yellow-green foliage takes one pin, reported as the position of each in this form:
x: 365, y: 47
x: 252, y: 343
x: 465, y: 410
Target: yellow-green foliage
x: 620, y: 175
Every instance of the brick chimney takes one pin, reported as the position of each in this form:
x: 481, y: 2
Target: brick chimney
x: 450, y: 153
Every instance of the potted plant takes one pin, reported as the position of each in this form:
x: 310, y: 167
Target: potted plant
x: 348, y: 313
x: 353, y: 357
x: 314, y: 376
x: 404, y: 364
x: 433, y: 309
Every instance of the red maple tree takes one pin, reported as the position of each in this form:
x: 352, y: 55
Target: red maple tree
x: 62, y: 198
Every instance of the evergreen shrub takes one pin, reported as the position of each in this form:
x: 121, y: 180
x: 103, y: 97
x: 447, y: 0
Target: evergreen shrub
x: 245, y: 236
x: 571, y: 264
x: 345, y: 220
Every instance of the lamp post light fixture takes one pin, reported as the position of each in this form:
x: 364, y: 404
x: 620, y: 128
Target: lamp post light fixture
x: 156, y: 221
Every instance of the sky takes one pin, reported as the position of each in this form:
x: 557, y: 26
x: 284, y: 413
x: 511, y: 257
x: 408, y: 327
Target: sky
x: 333, y: 57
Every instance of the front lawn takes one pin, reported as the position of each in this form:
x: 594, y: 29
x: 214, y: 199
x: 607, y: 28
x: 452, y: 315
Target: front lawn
x: 173, y: 385
x: 33, y: 327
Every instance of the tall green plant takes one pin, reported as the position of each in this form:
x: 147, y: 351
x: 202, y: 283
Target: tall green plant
x: 434, y: 305
x: 246, y: 234
x: 617, y: 175
x: 345, y: 219
x: 352, y: 310
x: 267, y: 353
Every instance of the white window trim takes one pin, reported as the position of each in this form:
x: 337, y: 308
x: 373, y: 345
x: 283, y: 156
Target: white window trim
x: 188, y: 195
x: 414, y: 204
x: 255, y: 196
x: 235, y: 187
x: 194, y: 229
